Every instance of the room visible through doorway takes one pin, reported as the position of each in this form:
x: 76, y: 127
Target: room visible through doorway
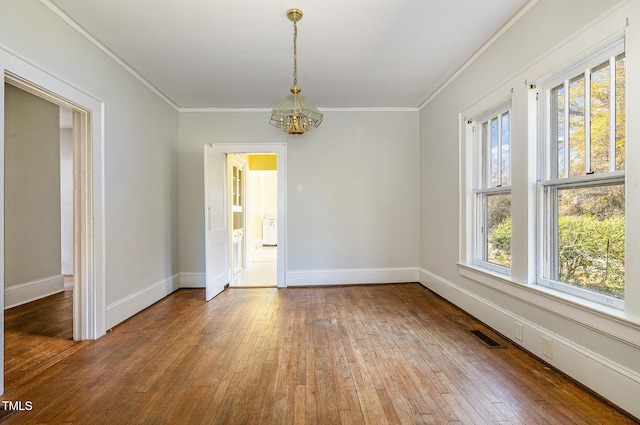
x: 38, y: 229
x: 253, y: 215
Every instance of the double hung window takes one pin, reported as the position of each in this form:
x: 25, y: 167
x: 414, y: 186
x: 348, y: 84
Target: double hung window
x: 582, y: 188
x: 492, y: 193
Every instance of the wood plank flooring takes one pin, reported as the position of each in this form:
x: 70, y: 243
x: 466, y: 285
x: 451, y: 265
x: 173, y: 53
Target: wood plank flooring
x: 378, y: 354
x: 36, y: 334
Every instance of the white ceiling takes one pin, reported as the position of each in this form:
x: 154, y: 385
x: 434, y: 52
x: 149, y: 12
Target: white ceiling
x: 239, y: 54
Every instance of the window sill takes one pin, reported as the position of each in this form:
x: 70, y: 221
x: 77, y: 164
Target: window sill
x: 609, y: 321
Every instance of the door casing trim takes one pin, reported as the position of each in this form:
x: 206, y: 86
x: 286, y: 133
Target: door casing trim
x: 89, y: 250
x: 281, y: 150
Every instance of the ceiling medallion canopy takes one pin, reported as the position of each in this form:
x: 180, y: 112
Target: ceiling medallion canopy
x: 295, y: 114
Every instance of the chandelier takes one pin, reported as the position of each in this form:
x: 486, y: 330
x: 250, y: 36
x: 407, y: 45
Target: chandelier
x: 295, y: 114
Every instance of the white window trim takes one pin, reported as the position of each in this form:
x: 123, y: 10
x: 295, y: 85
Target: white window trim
x: 522, y: 285
x: 547, y: 164
x: 480, y: 178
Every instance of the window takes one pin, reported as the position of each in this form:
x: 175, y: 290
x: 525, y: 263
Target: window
x: 492, y: 196
x: 583, y: 184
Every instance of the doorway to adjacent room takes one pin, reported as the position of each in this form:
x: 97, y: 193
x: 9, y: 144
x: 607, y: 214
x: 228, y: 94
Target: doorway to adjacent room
x: 83, y: 148
x: 253, y: 203
x: 258, y: 228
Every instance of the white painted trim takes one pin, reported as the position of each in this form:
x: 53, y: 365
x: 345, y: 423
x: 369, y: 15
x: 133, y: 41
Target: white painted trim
x: 603, y: 36
x: 208, y: 110
x: 325, y: 277
x: 134, y: 73
x: 130, y: 305
x: 108, y: 52
x: 613, y: 381
x: 23, y: 293
x: 372, y: 109
x: 90, y: 295
x: 480, y: 51
x: 192, y: 280
x: 351, y: 276
x: 605, y: 320
x: 349, y: 109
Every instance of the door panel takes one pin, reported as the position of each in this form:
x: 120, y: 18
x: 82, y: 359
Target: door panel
x: 216, y: 222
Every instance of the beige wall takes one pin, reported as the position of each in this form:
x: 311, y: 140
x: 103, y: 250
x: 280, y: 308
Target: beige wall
x: 352, y: 188
x: 32, y: 188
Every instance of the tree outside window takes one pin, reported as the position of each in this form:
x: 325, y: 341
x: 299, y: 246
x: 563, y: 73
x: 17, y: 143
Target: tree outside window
x: 584, y: 196
x: 493, y: 193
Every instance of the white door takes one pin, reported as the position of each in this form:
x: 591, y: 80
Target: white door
x: 216, y: 222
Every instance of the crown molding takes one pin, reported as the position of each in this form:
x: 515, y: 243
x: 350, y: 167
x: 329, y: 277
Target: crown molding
x: 73, y: 24
x: 372, y: 109
x: 480, y: 51
x: 267, y: 110
x: 135, y: 74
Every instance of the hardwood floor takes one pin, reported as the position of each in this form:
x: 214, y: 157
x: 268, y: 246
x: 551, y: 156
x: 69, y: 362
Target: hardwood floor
x: 36, y: 335
x: 337, y: 355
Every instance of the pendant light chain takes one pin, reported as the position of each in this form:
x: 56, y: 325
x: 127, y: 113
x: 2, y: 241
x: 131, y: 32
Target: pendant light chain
x: 295, y: 53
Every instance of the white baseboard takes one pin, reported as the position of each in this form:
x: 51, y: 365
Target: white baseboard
x: 351, y: 276
x: 325, y: 277
x: 614, y: 382
x: 134, y: 303
x: 23, y: 293
x: 192, y: 280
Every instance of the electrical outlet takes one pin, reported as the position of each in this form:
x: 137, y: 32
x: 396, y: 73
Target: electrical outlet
x: 518, y: 331
x: 547, y: 346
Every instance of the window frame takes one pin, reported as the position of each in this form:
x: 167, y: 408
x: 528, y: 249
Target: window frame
x: 482, y: 187
x: 549, y: 183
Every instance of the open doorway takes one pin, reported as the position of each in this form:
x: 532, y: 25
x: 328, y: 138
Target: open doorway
x: 38, y: 232
x: 217, y: 195
x: 253, y: 202
x: 87, y: 297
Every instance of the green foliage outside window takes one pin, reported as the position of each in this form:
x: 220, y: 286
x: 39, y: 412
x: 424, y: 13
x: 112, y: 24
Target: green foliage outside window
x: 499, y: 233
x: 591, y: 246
x: 591, y: 230
x: 500, y: 243
x: 591, y: 253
